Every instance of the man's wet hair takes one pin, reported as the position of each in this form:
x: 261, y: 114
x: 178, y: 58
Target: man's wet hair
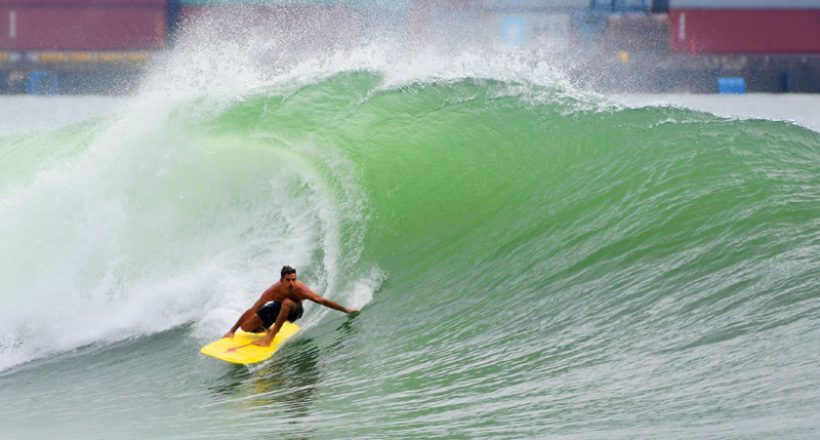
x: 287, y: 270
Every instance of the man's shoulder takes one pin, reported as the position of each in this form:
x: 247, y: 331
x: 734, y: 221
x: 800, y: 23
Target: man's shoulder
x: 303, y: 289
x: 272, y: 290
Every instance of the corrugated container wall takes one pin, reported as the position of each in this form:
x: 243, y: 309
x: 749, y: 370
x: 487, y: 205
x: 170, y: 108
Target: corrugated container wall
x: 83, y: 25
x: 745, y: 26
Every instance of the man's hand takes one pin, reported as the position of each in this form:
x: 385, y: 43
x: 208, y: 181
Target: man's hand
x: 351, y: 310
x: 229, y: 335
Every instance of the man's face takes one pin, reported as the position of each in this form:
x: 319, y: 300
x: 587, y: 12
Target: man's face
x: 290, y: 281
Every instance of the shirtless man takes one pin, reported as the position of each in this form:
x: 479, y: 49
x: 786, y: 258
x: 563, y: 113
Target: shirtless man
x: 282, y: 301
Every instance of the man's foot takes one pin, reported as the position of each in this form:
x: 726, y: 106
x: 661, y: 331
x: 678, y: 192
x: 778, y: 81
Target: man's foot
x: 262, y: 342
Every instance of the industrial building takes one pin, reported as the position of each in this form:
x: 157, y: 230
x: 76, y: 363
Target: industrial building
x: 704, y: 46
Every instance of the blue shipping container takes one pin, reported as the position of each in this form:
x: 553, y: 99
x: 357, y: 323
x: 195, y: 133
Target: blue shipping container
x: 732, y: 85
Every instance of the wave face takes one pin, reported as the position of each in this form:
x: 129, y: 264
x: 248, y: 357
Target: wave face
x: 533, y: 262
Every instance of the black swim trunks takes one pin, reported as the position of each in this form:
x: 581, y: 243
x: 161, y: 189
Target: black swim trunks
x: 270, y: 311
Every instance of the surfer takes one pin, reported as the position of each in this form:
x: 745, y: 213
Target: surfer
x: 281, y: 301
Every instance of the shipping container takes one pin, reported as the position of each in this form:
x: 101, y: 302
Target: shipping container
x: 745, y: 26
x: 31, y: 25
x: 744, y: 4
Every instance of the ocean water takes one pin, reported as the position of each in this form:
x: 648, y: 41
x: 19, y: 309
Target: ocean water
x: 532, y: 260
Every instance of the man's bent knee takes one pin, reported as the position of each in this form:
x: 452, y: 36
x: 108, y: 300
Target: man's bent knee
x: 293, y: 310
x: 288, y: 306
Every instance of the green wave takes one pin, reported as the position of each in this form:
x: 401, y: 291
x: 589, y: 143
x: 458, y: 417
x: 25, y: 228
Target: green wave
x: 478, y: 174
x: 541, y: 263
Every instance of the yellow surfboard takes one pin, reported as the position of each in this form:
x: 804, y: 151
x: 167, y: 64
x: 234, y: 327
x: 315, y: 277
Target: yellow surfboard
x: 239, y: 349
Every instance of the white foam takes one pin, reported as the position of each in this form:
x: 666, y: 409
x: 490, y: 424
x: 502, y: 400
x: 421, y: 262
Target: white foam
x: 217, y: 59
x: 146, y: 236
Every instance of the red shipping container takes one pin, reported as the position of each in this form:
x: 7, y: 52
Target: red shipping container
x: 83, y: 25
x: 745, y: 30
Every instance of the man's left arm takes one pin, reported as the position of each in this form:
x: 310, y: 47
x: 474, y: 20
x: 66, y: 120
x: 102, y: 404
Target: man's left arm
x: 313, y: 296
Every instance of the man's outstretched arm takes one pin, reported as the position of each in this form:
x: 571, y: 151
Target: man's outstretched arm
x: 335, y: 306
x: 313, y: 296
